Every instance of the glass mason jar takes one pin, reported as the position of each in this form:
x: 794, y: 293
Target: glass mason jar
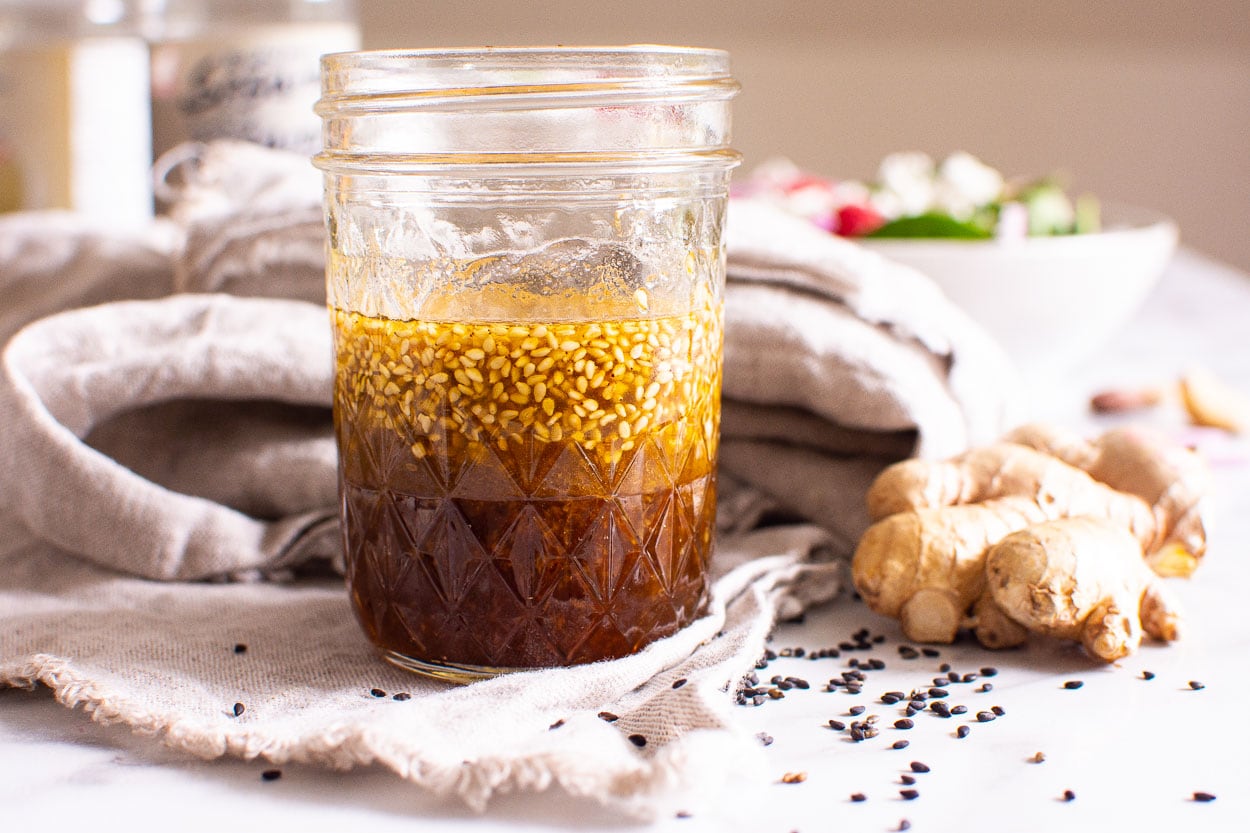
x: 525, y: 278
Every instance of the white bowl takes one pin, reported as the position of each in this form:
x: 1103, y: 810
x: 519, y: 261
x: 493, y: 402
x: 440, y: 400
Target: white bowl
x: 1050, y: 301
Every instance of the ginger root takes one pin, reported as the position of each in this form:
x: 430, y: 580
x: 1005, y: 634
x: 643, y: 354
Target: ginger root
x: 924, y: 561
x: 1082, y: 579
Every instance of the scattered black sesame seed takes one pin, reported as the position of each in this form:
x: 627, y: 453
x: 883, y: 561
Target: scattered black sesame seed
x: 1196, y: 686
x: 960, y: 709
x: 908, y: 652
x: 556, y: 725
x: 1147, y: 675
x: 938, y: 692
x: 856, y: 710
x: 784, y: 686
x: 963, y: 731
x: 954, y: 677
x: 638, y: 740
x: 240, y: 648
x: 837, y: 725
x: 931, y: 652
x: 986, y: 688
x: 944, y: 667
x: 401, y: 696
x: 377, y: 692
x: 1072, y: 685
x: 940, y: 709
x: 998, y: 710
x: 1068, y: 795
x: 916, y: 703
x: 878, y: 639
x: 907, y: 780
x: 238, y: 709
x: 940, y: 681
x: 900, y: 744
x: 903, y: 723
x: 609, y: 717
x: 909, y: 794
x: 971, y: 678
x: 271, y: 775
x: 798, y: 682
x: 903, y: 824
x: 917, y: 766
x: 876, y: 664
x: 985, y: 717
x: 1204, y: 797
x: 989, y: 671
x: 765, y: 739
x: 857, y: 797
x: 679, y: 683
x: 683, y: 814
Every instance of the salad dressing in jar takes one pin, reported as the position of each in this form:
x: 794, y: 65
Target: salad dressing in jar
x: 525, y: 279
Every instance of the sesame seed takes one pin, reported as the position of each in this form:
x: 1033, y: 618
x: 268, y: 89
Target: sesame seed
x: 986, y: 688
x: 989, y: 671
x: 609, y: 717
x: 238, y: 709
x: 377, y: 692
x: 1072, y: 685
x: 1204, y: 797
x: 856, y: 710
x: 963, y: 731
x: 764, y: 738
x: 858, y: 797
x: 401, y: 696
x: 1068, y: 795
x: 240, y: 648
x: 909, y: 794
x: 271, y: 775
x: 907, y: 780
x: 900, y: 744
x: 985, y: 717
x: 679, y: 683
x: 903, y: 723
x: 998, y: 710
x: 837, y: 725
x: 638, y: 740
x: 938, y: 692
x: 1196, y: 686
x: 944, y: 667
x: 917, y: 766
x: 960, y: 709
x: 1147, y: 675
x: 903, y: 824
x: 931, y: 652
x: 556, y: 725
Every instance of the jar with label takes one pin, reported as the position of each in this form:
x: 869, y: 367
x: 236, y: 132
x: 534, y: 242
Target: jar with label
x: 526, y: 277
x: 243, y: 69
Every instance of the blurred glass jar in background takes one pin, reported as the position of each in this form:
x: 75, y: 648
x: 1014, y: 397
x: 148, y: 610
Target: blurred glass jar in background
x: 75, y: 126
x: 242, y: 69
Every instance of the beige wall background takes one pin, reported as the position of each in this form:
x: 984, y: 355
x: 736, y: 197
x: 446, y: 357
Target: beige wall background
x: 1144, y: 102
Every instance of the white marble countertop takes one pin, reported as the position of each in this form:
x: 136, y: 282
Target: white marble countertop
x: 1132, y: 750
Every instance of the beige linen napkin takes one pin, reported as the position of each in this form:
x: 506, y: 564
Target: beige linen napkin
x: 188, y: 438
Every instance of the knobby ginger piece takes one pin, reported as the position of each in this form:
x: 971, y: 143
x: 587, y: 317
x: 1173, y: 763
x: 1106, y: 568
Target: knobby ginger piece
x: 1082, y: 579
x: 1213, y: 403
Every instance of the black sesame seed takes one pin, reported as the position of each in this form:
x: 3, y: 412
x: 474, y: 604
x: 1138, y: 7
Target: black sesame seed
x: 960, y: 709
x: 784, y: 686
x: 609, y: 717
x: 759, y: 700
x: 1204, y: 797
x: 837, y: 725
x: 938, y: 692
x: 856, y: 710
x: 940, y: 709
x: 954, y: 677
x: 917, y: 766
x: 1072, y: 685
x: 989, y: 671
x: 907, y: 780
x: 963, y: 731
x: 401, y: 696
x: 679, y: 683
x: 1068, y: 795
x: 940, y: 681
x: 903, y: 824
x: 846, y: 646
x: 240, y: 648
x: 556, y: 725
x: 971, y: 678
x: 889, y: 699
x: 764, y: 738
x: 238, y: 709
x: 903, y: 723
x: 998, y: 710
x: 876, y: 664
x: 986, y: 688
x: 798, y: 682
x: 271, y: 775
x: 916, y: 703
x: 683, y: 814
x: 944, y: 667
x: 909, y: 794
x: 878, y: 639
x: 1147, y: 675
x: 1196, y: 686
x: 931, y: 652
x: 985, y: 717
x: 638, y: 740
x: 857, y: 797
x: 901, y: 744
x: 377, y: 692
